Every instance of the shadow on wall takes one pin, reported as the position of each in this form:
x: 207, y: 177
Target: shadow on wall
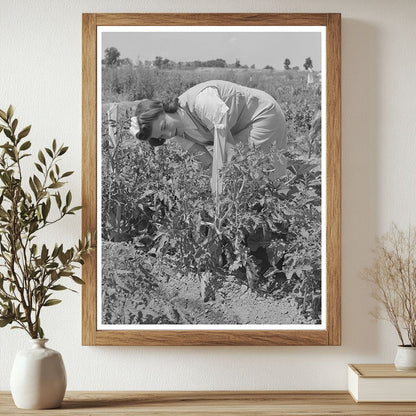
x: 361, y: 57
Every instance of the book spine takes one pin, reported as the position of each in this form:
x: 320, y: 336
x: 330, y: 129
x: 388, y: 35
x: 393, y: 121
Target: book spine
x: 353, y: 381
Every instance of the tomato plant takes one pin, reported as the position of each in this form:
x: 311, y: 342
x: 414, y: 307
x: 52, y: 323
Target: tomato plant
x: 265, y: 232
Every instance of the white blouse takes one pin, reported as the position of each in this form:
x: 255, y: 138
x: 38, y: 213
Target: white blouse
x: 212, y: 111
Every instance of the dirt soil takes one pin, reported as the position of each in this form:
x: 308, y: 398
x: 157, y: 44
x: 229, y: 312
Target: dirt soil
x: 235, y: 303
x: 132, y: 294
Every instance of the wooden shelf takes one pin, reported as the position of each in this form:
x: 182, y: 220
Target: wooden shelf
x: 180, y: 403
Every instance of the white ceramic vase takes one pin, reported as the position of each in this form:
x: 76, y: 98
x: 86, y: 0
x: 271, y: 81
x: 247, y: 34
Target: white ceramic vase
x: 405, y: 358
x: 38, y: 378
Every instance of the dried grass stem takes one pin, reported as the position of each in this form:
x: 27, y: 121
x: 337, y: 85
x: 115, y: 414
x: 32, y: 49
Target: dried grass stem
x: 393, y: 276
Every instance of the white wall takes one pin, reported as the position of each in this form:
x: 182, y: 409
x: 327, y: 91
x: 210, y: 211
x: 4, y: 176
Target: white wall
x: 40, y: 73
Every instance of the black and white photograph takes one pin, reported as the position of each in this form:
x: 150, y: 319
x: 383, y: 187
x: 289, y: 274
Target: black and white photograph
x: 211, y: 177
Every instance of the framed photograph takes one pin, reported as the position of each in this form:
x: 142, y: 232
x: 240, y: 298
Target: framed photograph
x: 211, y: 172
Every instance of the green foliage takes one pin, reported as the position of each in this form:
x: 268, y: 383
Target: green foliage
x: 30, y: 274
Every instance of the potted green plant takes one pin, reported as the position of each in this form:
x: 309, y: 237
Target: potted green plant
x: 393, y: 277
x: 31, y: 273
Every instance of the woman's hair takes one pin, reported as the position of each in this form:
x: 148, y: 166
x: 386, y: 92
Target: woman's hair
x: 147, y: 111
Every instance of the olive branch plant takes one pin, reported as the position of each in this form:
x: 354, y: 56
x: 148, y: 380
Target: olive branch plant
x: 31, y: 273
x: 393, y: 277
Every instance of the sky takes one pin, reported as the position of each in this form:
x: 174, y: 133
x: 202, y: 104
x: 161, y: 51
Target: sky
x: 258, y: 48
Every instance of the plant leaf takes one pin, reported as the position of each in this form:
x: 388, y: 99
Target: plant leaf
x: 23, y: 134
x: 41, y: 157
x: 58, y: 199
x: 40, y: 332
x: 44, y: 253
x: 39, y: 167
x: 25, y: 145
x: 56, y: 185
x: 59, y: 287
x: 10, y: 112
x: 63, y: 150
x: 51, y: 302
x: 45, y: 211
x: 68, y: 199
x: 72, y: 210
x: 8, y: 133
x: 5, y: 321
x: 37, y: 183
x: 78, y: 280
x: 67, y: 174
x: 14, y: 125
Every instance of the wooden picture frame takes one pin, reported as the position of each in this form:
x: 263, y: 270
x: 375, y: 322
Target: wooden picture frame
x: 331, y: 333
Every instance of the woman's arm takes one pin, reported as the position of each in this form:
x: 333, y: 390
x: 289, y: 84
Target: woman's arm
x: 213, y: 112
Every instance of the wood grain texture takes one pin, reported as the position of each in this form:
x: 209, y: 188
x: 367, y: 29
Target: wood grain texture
x: 212, y: 338
x: 89, y: 173
x: 380, y: 371
x: 332, y: 334
x: 333, y: 255
x: 211, y: 19
x: 266, y: 403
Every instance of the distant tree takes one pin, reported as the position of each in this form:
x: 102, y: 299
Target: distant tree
x: 295, y: 68
x: 111, y: 56
x: 211, y: 63
x: 253, y: 66
x: 216, y: 63
x: 124, y: 61
x: 158, y: 62
x: 286, y: 63
x: 269, y: 67
x: 237, y: 63
x: 165, y: 63
x: 308, y: 63
x: 221, y: 63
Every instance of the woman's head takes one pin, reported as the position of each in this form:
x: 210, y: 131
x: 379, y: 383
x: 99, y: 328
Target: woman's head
x: 155, y: 121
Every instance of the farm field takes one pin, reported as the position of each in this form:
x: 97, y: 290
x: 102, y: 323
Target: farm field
x: 173, y: 255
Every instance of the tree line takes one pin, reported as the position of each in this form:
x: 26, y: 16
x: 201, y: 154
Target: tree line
x: 308, y: 64
x: 112, y: 58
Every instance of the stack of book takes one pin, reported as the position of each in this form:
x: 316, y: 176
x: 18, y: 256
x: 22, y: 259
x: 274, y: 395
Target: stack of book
x: 381, y: 383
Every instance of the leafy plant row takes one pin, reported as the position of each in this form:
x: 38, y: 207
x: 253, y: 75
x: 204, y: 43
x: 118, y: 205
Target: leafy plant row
x: 263, y: 231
